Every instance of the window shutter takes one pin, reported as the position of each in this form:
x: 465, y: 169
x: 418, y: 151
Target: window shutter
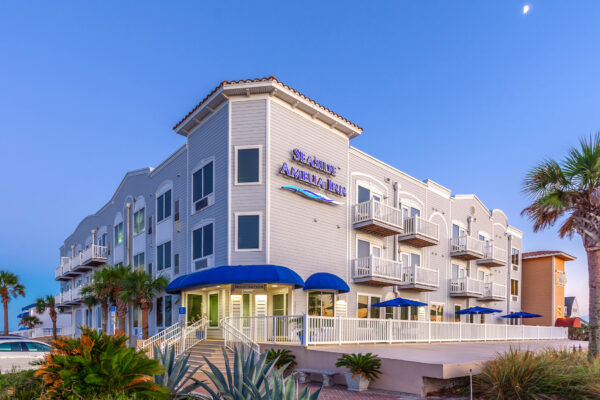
x: 176, y: 210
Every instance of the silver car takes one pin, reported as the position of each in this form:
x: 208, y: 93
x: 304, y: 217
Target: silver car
x: 18, y: 354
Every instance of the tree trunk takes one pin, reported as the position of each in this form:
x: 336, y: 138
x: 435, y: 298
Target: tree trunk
x: 52, y: 313
x: 594, y: 283
x: 145, y: 308
x: 121, y: 315
x: 5, y: 304
x: 104, y: 316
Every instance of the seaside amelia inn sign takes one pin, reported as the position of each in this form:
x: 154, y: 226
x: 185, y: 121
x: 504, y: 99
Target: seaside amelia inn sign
x: 313, y: 178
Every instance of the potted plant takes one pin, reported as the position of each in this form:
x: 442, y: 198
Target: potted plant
x: 364, y: 368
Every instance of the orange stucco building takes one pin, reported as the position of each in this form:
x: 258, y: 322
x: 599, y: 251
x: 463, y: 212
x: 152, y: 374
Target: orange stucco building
x: 543, y: 285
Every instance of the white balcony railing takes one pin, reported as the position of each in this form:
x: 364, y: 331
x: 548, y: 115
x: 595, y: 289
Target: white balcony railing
x: 313, y: 330
x: 76, y: 293
x: 76, y: 260
x: 413, y: 275
x: 466, y: 243
x: 374, y: 210
x: 94, y: 252
x: 495, y: 290
x: 371, y: 266
x: 494, y: 253
x: 418, y: 225
x: 466, y: 285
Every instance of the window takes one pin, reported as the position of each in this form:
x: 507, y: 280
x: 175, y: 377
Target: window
x: 248, y: 165
x: 139, y: 220
x: 163, y: 253
x: 149, y: 269
x: 389, y: 313
x: 436, y: 312
x: 202, y: 242
x: 202, y: 185
x: 515, y: 256
x: 321, y: 304
x: 119, y: 234
x: 138, y: 262
x: 456, y: 316
x: 365, y: 307
x: 176, y: 210
x: 168, y: 311
x: 99, y: 317
x: 365, y: 194
x: 367, y: 249
x: 159, y: 311
x: 37, y: 347
x: 11, y: 346
x: 194, y: 308
x: 163, y: 206
x: 514, y: 287
x: 248, y: 232
x: 136, y: 317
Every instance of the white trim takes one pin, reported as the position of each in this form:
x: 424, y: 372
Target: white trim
x: 229, y: 185
x: 268, y: 183
x: 260, y: 164
x: 416, y: 203
x: 369, y: 305
x: 260, y: 230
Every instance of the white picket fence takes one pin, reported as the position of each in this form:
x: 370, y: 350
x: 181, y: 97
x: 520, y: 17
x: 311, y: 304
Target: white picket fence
x: 308, y: 330
x: 44, y: 332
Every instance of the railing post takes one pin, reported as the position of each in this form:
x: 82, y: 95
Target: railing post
x: 459, y: 330
x: 389, y: 329
x: 339, y: 329
x: 304, y: 330
x: 485, y: 332
x: 429, y: 331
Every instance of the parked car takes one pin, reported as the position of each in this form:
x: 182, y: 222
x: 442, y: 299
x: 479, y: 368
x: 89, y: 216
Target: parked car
x: 18, y: 353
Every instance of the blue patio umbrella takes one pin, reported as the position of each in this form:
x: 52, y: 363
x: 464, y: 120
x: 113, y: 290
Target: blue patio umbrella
x: 399, y: 302
x: 521, y: 314
x: 478, y: 310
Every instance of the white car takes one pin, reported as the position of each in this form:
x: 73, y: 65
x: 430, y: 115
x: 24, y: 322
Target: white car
x: 18, y: 354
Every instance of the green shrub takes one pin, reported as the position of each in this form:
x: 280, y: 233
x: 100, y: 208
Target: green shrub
x: 281, y: 357
x: 367, y: 365
x: 22, y: 385
x: 96, y: 365
x: 518, y: 374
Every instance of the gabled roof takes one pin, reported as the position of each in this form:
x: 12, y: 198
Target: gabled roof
x: 548, y: 253
x: 271, y: 86
x: 569, y: 301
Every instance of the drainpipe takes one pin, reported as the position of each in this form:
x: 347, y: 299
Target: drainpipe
x: 72, y: 251
x: 93, y: 239
x: 469, y: 220
x: 395, y: 247
x: 128, y: 244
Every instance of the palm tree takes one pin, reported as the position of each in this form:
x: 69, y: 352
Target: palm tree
x: 9, y: 288
x: 568, y: 193
x: 29, y: 321
x: 117, y: 276
x: 100, y: 292
x: 140, y: 290
x: 47, y: 302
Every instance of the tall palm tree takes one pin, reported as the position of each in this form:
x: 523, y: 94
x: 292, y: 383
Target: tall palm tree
x: 29, y: 321
x: 47, y: 302
x: 568, y: 193
x: 100, y: 291
x: 117, y: 277
x: 140, y: 290
x: 9, y: 288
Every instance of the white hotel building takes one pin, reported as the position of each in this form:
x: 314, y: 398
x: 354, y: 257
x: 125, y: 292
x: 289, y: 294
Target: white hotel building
x: 268, y: 187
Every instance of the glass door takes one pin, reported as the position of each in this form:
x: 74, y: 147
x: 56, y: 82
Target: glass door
x: 194, y: 308
x: 213, y: 309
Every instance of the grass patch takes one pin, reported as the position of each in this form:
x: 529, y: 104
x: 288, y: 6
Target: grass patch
x: 22, y: 385
x: 550, y: 374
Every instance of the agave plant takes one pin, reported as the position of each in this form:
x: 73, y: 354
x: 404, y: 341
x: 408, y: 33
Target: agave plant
x: 176, y: 376
x: 367, y: 365
x: 249, y: 378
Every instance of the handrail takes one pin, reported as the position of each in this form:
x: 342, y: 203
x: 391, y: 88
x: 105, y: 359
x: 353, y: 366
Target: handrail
x: 376, y: 210
x: 232, y: 335
x: 162, y: 338
x: 416, y: 224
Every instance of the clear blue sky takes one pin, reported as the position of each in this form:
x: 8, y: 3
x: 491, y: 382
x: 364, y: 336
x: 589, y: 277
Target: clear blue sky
x: 468, y: 93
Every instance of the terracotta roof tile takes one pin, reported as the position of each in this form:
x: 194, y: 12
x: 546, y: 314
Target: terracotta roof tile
x: 256, y: 80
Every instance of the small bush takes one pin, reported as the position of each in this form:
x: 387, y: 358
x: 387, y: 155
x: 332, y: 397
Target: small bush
x: 524, y: 375
x: 283, y: 357
x: 367, y: 365
x: 22, y: 385
x: 99, y: 366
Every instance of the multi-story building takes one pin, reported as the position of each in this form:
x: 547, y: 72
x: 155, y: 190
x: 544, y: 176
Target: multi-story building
x: 268, y: 187
x: 543, y: 286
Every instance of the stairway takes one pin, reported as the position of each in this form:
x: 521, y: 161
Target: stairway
x: 211, y: 349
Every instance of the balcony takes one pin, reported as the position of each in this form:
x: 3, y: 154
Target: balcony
x: 94, y: 255
x: 493, y: 291
x: 466, y: 287
x: 72, y: 296
x: 377, y: 218
x: 376, y: 271
x: 467, y: 248
x: 61, y: 272
x: 419, y: 232
x: 493, y: 257
x: 419, y: 278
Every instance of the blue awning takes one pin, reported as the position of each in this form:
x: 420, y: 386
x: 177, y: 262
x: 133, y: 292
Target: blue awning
x: 237, y: 274
x: 22, y: 315
x: 326, y: 281
x: 478, y: 310
x: 521, y: 314
x: 29, y: 307
x: 400, y: 302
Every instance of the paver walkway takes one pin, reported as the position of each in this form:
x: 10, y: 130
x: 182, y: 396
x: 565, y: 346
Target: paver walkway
x: 338, y: 392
